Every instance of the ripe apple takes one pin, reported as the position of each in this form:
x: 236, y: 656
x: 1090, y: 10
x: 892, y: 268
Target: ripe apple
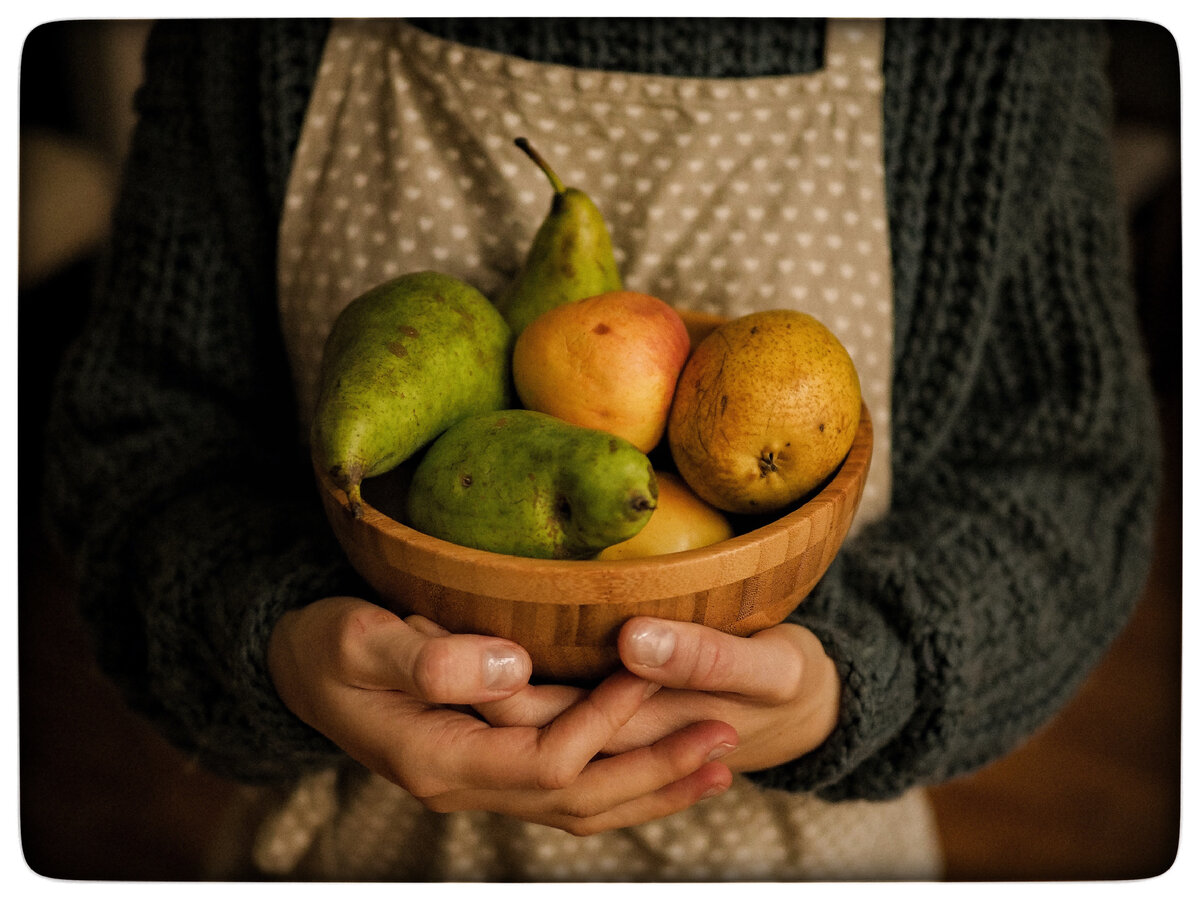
x: 608, y: 362
x: 681, y: 521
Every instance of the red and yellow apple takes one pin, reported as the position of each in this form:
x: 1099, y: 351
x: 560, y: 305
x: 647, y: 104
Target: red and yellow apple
x: 680, y: 521
x: 608, y: 362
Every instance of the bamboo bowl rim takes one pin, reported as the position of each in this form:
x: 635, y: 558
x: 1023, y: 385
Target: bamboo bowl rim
x: 601, y: 581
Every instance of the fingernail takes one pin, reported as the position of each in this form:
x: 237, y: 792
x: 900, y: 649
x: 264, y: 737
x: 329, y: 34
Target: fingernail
x: 503, y: 668
x: 651, y: 644
x: 718, y: 751
x: 652, y: 688
x: 714, y: 790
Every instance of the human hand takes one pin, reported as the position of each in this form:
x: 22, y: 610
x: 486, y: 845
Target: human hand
x: 777, y: 688
x: 385, y: 690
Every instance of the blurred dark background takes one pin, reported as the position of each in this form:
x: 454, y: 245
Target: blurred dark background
x: 1095, y: 795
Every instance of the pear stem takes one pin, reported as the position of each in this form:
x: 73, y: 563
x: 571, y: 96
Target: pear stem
x: 525, y: 146
x: 355, y: 501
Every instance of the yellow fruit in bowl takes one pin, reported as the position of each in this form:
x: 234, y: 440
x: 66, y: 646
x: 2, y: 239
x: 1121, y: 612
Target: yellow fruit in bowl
x: 765, y: 410
x: 681, y: 521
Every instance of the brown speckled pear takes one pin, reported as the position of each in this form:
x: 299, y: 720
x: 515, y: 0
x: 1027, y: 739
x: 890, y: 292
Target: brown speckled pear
x: 765, y: 409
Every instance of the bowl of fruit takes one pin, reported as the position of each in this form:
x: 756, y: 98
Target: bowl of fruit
x: 549, y: 465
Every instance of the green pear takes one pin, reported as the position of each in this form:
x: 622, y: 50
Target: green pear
x: 571, y: 256
x: 528, y: 484
x: 402, y: 363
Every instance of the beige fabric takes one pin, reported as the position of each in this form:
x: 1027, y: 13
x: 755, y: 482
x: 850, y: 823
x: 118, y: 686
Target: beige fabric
x: 721, y: 195
x: 354, y: 827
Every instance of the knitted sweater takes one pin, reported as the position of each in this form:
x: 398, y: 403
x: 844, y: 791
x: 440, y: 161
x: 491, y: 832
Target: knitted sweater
x: 1024, y: 443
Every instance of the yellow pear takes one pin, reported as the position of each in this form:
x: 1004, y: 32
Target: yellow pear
x: 766, y: 408
x: 680, y: 521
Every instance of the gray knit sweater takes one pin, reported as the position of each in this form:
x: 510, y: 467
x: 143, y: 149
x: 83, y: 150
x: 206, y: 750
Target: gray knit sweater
x: 1025, y: 455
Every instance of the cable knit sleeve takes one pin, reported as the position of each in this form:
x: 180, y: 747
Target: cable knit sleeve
x: 175, y: 476
x: 1025, y: 438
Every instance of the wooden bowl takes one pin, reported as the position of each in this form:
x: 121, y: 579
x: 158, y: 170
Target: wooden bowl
x: 567, y: 613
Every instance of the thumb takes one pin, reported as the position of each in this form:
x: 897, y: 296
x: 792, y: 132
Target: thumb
x: 437, y: 666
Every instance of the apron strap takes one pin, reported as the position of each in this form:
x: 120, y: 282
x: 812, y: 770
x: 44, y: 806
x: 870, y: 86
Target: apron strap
x: 854, y: 54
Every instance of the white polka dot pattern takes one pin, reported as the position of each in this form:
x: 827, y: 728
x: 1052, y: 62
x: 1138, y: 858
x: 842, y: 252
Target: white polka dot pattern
x: 366, y: 828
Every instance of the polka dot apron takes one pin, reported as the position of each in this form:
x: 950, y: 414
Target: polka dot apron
x: 722, y: 196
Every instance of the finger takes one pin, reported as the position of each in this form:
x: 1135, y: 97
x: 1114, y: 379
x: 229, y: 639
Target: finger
x: 617, y: 792
x: 614, y: 781
x: 551, y: 757
x: 536, y: 705
x: 519, y: 708
x: 767, y: 666
x: 707, y: 781
x: 533, y: 705
x: 573, y: 739
x: 388, y: 653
